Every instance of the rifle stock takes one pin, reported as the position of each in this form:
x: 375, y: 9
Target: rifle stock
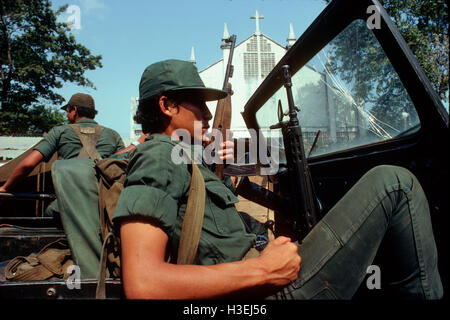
x: 222, y: 122
x: 222, y: 117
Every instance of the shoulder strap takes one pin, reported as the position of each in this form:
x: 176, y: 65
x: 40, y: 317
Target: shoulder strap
x: 88, y: 137
x: 193, y: 218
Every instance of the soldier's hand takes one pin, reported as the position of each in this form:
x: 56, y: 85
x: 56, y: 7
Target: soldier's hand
x: 281, y: 260
x: 226, y: 150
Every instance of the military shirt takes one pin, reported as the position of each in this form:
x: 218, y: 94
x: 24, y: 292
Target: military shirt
x: 158, y: 188
x: 64, y: 140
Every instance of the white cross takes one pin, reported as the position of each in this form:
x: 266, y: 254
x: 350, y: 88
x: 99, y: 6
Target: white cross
x: 257, y: 17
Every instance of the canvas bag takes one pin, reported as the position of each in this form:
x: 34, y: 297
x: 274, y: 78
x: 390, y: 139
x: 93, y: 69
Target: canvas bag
x: 50, y: 263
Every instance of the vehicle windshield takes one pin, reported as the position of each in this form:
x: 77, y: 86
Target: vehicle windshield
x: 348, y: 95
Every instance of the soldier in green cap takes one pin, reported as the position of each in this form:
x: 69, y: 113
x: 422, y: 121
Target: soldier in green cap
x: 330, y: 263
x: 77, y: 144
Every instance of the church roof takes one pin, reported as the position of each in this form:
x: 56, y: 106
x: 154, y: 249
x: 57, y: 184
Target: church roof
x: 262, y: 34
x: 239, y: 44
x: 211, y: 65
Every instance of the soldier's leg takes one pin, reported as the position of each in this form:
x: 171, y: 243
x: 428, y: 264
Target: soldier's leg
x: 76, y: 188
x: 386, y: 206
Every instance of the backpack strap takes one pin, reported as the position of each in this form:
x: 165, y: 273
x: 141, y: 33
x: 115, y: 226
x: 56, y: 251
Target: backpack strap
x: 100, y: 291
x: 88, y: 137
x: 193, y: 218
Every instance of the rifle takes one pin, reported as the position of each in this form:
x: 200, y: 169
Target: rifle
x: 222, y: 117
x: 305, y: 213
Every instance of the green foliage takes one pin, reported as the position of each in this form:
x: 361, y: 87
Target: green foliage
x: 424, y: 26
x: 37, y: 56
x: 356, y: 57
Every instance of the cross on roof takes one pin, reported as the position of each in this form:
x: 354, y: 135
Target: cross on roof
x: 257, y: 17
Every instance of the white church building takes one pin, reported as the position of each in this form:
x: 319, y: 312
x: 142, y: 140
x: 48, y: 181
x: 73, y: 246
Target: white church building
x: 253, y: 59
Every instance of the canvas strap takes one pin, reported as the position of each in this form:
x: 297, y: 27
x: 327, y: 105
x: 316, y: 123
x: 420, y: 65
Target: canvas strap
x: 193, y: 218
x: 88, y: 137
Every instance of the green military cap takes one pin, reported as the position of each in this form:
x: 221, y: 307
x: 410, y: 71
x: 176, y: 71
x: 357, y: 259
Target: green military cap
x: 80, y: 100
x: 175, y: 75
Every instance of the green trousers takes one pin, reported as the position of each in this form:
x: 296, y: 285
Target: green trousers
x: 76, y: 188
x: 383, y: 221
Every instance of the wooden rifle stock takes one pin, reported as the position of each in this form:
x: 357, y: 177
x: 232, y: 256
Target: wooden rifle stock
x: 222, y: 117
x: 222, y: 122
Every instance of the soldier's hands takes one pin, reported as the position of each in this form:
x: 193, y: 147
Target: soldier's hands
x: 225, y: 149
x: 281, y: 260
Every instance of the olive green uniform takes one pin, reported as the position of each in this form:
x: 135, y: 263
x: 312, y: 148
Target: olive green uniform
x: 64, y: 140
x: 76, y: 186
x: 156, y: 187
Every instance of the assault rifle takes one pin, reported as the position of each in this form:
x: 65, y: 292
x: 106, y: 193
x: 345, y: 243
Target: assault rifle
x: 222, y: 117
x: 305, y: 207
x: 301, y: 206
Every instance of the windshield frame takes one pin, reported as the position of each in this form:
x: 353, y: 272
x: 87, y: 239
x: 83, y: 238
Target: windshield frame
x: 332, y: 21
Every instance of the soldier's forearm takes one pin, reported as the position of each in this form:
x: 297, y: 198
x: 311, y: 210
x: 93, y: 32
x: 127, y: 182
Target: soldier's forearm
x: 23, y: 169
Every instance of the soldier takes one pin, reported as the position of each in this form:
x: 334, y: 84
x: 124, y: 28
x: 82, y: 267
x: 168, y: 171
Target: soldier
x: 78, y: 205
x: 386, y: 204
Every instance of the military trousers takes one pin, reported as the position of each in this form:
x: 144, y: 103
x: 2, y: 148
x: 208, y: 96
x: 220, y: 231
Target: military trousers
x: 384, y: 215
x: 76, y: 187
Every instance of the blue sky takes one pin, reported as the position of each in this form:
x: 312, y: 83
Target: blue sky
x: 130, y: 35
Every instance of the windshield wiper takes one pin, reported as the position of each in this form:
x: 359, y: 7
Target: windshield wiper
x: 314, y: 143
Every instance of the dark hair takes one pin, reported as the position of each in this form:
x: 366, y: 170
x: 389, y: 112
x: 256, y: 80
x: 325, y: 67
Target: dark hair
x: 150, y: 116
x: 84, y: 111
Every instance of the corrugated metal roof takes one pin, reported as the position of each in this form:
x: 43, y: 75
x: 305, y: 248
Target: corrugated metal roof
x: 12, y: 147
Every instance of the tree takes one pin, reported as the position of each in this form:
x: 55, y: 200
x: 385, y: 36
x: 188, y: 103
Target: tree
x: 37, y: 55
x: 424, y: 26
x: 358, y: 59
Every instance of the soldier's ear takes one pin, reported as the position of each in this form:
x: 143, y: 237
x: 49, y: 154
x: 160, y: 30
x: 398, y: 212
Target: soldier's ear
x: 167, y: 106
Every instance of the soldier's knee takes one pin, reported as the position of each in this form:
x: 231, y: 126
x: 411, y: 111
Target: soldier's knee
x: 392, y: 174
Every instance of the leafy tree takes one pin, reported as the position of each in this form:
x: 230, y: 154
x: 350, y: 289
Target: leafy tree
x: 359, y: 60
x: 424, y: 26
x: 37, y: 55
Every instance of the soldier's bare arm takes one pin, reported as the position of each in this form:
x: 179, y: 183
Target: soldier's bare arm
x: 146, y: 274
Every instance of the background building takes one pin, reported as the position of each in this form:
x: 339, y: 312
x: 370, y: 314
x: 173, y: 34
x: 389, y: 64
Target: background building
x: 253, y: 59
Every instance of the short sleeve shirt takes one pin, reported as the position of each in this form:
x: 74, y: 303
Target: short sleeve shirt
x: 157, y: 187
x: 64, y: 140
